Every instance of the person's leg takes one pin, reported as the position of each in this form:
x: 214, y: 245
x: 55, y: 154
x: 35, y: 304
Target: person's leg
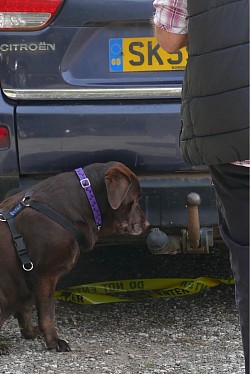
x: 231, y: 184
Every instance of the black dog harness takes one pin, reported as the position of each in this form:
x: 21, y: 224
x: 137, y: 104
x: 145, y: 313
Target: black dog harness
x: 9, y: 217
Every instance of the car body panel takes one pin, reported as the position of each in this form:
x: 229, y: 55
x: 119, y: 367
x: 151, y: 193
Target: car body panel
x: 143, y: 137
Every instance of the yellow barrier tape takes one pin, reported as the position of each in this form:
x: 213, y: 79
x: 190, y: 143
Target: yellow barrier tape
x: 136, y: 289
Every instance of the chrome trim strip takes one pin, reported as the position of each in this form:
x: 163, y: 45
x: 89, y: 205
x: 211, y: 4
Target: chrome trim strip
x: 93, y: 93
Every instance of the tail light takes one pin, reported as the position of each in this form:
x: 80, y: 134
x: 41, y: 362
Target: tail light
x: 27, y: 14
x: 4, y: 137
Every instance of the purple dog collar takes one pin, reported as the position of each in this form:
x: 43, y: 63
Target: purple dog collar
x: 85, y: 183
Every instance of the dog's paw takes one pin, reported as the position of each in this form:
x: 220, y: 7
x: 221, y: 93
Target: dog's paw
x: 4, y: 349
x: 60, y: 346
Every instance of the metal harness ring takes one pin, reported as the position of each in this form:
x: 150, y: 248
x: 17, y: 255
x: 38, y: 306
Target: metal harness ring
x: 28, y: 268
x: 2, y: 219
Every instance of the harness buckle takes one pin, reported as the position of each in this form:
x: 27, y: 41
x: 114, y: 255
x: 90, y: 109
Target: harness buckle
x: 85, y: 183
x: 19, y: 243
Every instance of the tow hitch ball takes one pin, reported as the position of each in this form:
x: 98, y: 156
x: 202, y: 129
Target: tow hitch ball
x: 193, y: 239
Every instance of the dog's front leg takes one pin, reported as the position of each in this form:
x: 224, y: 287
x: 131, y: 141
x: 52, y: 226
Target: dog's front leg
x: 24, y: 317
x: 44, y: 297
x: 4, y: 349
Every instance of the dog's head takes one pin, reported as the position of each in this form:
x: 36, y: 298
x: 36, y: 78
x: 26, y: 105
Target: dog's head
x: 123, y: 192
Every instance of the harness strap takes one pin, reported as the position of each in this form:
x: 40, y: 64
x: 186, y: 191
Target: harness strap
x: 8, y: 216
x: 58, y: 218
x: 17, y: 237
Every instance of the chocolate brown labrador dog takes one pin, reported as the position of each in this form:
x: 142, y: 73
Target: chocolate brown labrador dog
x: 41, y: 232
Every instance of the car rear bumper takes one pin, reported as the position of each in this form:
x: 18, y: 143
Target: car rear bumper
x: 165, y: 198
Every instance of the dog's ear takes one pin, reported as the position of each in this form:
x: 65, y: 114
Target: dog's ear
x: 118, y: 182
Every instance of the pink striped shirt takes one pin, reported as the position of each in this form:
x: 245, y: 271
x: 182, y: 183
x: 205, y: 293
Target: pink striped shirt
x: 171, y: 15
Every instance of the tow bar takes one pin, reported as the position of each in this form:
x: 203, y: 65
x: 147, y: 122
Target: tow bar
x: 193, y: 239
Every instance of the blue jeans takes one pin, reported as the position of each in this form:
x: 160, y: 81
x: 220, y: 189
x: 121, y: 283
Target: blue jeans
x: 231, y: 184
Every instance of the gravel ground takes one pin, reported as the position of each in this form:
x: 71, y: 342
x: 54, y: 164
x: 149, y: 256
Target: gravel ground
x: 192, y: 334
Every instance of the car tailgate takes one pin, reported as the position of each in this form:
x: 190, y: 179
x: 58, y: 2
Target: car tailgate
x: 94, y: 85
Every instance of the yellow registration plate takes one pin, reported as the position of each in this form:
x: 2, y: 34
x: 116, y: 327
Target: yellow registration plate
x: 143, y: 54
